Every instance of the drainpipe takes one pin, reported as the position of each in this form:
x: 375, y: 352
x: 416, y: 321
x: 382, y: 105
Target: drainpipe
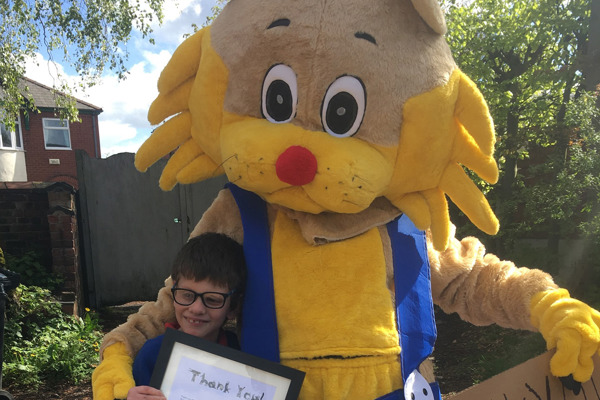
x: 95, y: 131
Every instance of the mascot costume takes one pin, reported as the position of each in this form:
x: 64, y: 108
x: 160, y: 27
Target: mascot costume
x: 342, y: 125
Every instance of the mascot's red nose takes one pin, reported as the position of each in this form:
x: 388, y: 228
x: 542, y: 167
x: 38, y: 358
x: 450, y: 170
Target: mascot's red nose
x: 296, y: 166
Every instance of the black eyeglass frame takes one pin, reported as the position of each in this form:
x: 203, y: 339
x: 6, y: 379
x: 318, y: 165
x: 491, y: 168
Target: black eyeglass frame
x: 201, y: 295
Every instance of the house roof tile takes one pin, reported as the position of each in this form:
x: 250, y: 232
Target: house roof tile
x: 43, y: 96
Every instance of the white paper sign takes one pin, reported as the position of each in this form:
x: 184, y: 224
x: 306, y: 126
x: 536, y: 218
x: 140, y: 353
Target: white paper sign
x: 189, y: 368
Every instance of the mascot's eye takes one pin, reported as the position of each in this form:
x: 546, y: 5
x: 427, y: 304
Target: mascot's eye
x: 279, y: 94
x: 344, y: 106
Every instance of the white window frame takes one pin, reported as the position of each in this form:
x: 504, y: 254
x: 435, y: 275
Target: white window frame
x: 48, y: 129
x: 15, y: 134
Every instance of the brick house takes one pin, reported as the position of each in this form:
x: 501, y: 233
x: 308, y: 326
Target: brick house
x: 42, y: 147
x: 38, y: 187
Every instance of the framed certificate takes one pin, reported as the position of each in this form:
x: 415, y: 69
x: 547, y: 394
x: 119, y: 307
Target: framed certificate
x: 191, y: 368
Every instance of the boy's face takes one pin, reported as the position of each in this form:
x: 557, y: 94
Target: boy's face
x: 198, y: 320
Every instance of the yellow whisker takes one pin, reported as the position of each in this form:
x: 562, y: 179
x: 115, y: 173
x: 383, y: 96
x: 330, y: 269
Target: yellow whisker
x: 234, y: 180
x: 227, y: 159
x: 359, y: 178
x: 202, y: 167
x: 353, y: 203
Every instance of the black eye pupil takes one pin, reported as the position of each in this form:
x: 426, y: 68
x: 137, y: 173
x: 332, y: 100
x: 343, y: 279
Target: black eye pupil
x: 279, y: 100
x: 341, y: 113
x: 425, y: 391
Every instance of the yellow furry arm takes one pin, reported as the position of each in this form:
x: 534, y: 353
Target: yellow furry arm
x: 147, y: 323
x: 570, y: 326
x: 483, y: 289
x: 112, y: 379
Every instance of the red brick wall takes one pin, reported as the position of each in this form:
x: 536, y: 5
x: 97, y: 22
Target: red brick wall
x: 64, y: 237
x: 24, y: 222
x: 43, y: 218
x: 37, y: 157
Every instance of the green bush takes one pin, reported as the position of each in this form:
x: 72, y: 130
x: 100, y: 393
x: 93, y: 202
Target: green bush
x: 42, y: 344
x: 32, y: 272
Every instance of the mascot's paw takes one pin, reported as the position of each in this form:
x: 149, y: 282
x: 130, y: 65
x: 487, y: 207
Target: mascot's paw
x: 113, y: 378
x: 570, y: 326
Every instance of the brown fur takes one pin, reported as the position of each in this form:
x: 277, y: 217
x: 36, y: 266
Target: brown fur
x: 410, y: 56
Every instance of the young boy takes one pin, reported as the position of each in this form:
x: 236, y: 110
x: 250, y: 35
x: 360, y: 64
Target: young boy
x: 209, y: 274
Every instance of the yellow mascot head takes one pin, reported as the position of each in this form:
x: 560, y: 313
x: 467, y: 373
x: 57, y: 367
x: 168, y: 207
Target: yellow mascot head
x: 326, y: 105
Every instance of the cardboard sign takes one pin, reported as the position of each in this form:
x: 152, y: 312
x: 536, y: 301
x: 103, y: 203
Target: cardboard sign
x: 531, y: 380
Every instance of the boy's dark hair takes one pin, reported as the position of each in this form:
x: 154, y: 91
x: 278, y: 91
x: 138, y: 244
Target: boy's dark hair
x: 215, y: 257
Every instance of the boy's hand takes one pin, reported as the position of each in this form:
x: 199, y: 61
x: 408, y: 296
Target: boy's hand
x: 113, y: 377
x: 145, y: 392
x: 570, y: 326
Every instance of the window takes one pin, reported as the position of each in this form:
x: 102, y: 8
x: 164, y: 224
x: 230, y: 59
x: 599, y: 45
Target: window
x: 11, y: 139
x: 56, y: 134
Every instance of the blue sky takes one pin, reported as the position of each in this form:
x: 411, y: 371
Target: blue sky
x: 123, y: 124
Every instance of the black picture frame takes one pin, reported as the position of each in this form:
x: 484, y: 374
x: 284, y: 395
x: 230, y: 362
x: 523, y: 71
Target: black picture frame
x: 220, y: 372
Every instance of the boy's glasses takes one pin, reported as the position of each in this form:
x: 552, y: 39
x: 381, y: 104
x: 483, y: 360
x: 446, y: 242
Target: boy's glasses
x: 187, y: 297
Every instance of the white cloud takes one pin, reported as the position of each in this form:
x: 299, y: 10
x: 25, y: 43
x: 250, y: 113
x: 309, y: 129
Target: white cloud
x: 115, y: 131
x: 44, y: 71
x: 123, y: 124
x: 177, y: 22
x: 125, y: 103
x: 173, y: 10
x: 117, y: 137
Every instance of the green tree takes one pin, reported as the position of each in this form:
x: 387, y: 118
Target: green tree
x: 524, y: 56
x: 533, y: 61
x: 89, y: 35
x: 591, y: 70
x: 215, y: 10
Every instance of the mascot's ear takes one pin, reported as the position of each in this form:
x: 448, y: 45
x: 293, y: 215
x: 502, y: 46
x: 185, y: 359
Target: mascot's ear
x: 432, y: 14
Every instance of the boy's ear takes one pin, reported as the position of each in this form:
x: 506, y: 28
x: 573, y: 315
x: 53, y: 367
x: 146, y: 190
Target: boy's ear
x: 231, y: 314
x: 235, y: 310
